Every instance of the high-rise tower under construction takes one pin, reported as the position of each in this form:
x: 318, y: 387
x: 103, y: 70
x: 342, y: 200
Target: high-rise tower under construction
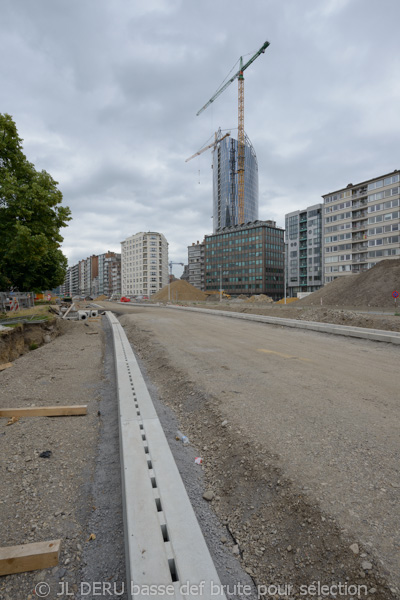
x: 225, y: 184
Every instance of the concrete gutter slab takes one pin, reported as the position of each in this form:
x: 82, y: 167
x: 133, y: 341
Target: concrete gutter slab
x: 165, y: 548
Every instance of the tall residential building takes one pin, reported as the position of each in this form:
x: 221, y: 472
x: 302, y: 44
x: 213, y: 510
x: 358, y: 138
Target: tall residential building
x: 109, y: 274
x: 144, y: 264
x: 304, y: 250
x: 94, y: 276
x: 361, y: 225
x: 246, y: 259
x: 196, y: 265
x: 225, y: 184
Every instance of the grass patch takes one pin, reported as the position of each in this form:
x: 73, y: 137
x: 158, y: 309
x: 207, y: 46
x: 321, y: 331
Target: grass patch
x: 36, y: 313
x: 33, y: 346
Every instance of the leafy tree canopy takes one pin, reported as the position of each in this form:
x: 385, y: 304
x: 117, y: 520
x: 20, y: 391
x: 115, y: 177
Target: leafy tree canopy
x: 31, y: 217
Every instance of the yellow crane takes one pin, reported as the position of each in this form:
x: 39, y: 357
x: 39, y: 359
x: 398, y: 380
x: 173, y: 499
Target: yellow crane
x: 241, y: 134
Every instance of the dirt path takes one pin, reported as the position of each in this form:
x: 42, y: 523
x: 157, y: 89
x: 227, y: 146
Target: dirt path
x: 62, y: 496
x: 307, y: 464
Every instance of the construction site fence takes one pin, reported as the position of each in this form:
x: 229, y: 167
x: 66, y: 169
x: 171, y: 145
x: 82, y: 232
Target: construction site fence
x: 14, y: 301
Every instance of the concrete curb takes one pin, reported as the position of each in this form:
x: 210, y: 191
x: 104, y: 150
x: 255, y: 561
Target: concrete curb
x: 378, y: 335
x: 164, y: 547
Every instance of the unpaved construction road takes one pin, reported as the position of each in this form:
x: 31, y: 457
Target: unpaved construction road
x: 305, y: 472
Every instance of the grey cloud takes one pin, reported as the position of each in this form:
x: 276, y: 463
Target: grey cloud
x: 105, y: 96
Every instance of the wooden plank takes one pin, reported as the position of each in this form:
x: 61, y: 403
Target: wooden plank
x: 29, y: 557
x: 5, y: 366
x: 44, y: 411
x: 67, y: 311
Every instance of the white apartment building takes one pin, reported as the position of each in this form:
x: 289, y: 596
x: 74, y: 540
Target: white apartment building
x: 361, y: 225
x: 144, y: 264
x: 304, y: 250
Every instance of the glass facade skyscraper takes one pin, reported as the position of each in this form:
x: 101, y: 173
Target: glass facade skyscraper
x: 225, y: 184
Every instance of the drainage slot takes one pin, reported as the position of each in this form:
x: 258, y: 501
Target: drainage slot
x: 146, y: 449
x: 149, y: 464
x: 140, y: 426
x: 172, y: 569
x: 164, y: 532
x: 143, y: 436
x: 138, y: 412
x: 158, y: 505
x: 154, y: 485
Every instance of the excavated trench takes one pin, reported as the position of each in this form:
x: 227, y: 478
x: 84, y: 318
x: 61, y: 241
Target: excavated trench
x: 25, y: 337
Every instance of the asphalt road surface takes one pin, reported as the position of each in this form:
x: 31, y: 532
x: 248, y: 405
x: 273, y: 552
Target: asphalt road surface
x: 325, y: 407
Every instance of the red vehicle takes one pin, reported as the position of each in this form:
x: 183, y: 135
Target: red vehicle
x: 125, y: 299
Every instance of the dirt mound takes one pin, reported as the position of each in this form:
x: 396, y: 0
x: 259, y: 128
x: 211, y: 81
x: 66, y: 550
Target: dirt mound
x: 259, y: 298
x: 101, y: 297
x: 371, y: 288
x: 179, y: 290
x: 288, y: 300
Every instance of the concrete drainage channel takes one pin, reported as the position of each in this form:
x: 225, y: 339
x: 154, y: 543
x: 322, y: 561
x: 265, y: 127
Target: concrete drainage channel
x: 165, y: 550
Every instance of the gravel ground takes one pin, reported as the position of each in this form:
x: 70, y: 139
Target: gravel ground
x: 310, y: 492
x: 75, y: 494
x: 361, y: 317
x: 260, y: 526
x: 60, y: 497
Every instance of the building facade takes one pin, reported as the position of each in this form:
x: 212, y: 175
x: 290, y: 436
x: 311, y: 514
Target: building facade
x: 109, y: 280
x: 246, y: 259
x: 196, y: 265
x: 144, y: 264
x: 361, y: 225
x: 225, y: 184
x: 304, y: 250
x: 94, y: 276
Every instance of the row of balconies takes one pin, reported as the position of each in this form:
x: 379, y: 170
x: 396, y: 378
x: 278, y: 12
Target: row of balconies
x: 359, y: 214
x: 360, y: 192
x: 359, y: 246
x: 360, y: 225
x: 359, y: 236
x: 359, y: 268
x: 358, y: 204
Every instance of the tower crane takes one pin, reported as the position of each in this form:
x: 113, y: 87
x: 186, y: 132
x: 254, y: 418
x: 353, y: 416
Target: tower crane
x: 215, y: 142
x: 241, y: 134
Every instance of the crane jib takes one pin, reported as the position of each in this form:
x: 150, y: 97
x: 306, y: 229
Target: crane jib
x: 238, y: 75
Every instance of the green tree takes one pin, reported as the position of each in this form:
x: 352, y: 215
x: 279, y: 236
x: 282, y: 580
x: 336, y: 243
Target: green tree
x: 31, y: 217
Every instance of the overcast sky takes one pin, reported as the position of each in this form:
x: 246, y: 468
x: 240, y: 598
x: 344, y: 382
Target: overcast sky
x: 104, y: 94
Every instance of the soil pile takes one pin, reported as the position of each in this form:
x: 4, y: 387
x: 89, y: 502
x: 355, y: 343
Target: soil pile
x: 288, y: 300
x: 259, y: 298
x: 179, y: 290
x: 372, y: 288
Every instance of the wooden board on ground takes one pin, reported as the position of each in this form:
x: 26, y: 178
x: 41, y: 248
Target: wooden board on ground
x: 29, y: 557
x: 5, y: 366
x: 70, y: 308
x: 44, y: 411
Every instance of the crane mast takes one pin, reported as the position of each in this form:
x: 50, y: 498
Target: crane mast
x: 241, y: 134
x: 241, y: 146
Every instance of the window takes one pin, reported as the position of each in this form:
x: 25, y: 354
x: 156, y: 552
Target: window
x: 375, y: 185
